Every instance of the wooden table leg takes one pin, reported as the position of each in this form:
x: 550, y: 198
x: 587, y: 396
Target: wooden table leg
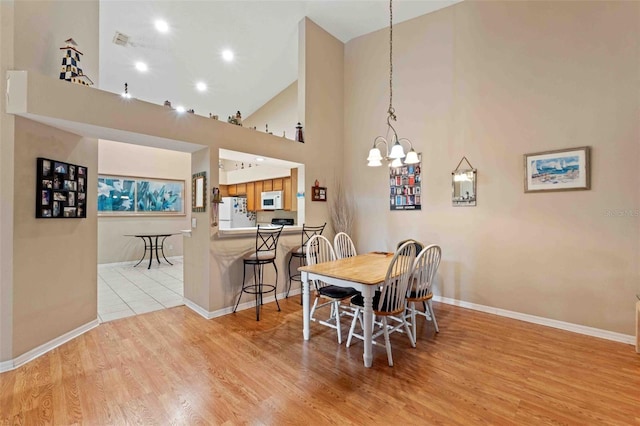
x: 367, y: 295
x: 305, y: 305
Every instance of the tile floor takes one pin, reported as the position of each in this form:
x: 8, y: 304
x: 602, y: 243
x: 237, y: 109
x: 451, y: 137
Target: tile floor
x: 124, y: 291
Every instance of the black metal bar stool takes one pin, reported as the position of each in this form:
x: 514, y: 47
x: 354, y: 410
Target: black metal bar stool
x: 264, y: 253
x: 300, y: 252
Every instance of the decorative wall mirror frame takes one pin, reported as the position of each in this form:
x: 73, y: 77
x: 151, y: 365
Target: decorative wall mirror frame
x: 463, y: 185
x: 199, y: 192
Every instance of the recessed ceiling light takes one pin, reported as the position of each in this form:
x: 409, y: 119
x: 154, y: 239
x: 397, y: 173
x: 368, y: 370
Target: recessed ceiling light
x: 259, y: 159
x: 180, y: 108
x: 201, y: 86
x: 162, y: 26
x: 142, y: 67
x: 227, y: 55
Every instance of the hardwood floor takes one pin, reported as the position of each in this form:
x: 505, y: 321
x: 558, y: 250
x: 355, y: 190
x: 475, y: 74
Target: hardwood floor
x: 174, y: 367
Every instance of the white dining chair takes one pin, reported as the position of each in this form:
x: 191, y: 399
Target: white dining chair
x: 390, y: 300
x: 420, y: 285
x: 343, y: 245
x: 319, y: 250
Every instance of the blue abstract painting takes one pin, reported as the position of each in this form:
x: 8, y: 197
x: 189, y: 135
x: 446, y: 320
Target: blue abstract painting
x: 160, y: 196
x: 116, y: 194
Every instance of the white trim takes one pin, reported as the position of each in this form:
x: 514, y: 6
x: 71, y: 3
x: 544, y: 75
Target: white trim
x: 229, y: 310
x: 43, y: 349
x: 133, y: 262
x: 576, y: 328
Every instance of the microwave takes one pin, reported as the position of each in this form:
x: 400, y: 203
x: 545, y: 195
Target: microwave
x: 271, y: 200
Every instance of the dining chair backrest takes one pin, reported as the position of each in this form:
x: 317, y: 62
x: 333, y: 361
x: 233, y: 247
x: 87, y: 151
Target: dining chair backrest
x: 424, y: 271
x: 309, y: 231
x: 343, y: 245
x: 319, y: 250
x: 267, y: 240
x: 418, y: 245
x: 394, y: 289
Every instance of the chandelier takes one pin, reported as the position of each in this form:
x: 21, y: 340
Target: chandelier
x: 397, y: 151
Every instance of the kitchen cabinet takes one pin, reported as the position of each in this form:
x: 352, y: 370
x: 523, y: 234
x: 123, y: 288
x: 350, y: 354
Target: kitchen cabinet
x: 241, y: 189
x: 277, y: 184
x: 291, y: 194
x: 251, y: 197
x: 224, y: 190
x: 232, y: 190
x: 257, y: 190
x: 267, y: 185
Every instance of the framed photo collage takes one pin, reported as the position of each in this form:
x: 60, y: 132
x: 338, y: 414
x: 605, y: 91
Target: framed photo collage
x: 61, y: 190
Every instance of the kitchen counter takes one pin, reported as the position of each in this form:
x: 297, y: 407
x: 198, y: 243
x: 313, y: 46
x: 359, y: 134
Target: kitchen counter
x: 251, y: 231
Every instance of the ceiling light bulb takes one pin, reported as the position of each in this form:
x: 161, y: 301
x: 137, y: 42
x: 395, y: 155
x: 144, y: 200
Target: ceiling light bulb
x: 126, y: 95
x: 142, y: 67
x: 259, y: 159
x: 162, y: 26
x: 227, y: 55
x: 180, y: 109
x: 202, y: 87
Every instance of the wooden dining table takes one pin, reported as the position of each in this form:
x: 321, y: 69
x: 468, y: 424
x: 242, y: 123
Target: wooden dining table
x: 364, y: 272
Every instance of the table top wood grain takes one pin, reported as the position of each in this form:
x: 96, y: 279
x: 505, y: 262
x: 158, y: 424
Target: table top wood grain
x: 369, y: 269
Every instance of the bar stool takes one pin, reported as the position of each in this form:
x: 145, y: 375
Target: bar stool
x: 300, y: 252
x: 264, y: 253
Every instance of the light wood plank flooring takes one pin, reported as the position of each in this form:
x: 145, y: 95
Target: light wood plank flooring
x: 174, y: 367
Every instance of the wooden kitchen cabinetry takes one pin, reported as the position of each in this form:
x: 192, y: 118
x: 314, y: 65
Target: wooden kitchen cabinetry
x: 252, y: 206
x: 278, y: 184
x: 253, y: 191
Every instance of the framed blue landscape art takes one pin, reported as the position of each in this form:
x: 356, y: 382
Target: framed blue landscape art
x: 559, y: 170
x: 135, y: 196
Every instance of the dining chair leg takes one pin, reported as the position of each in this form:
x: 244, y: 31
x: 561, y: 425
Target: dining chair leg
x: 356, y: 316
x: 387, y: 342
x: 414, y: 326
x: 336, y: 309
x: 433, y: 316
x: 406, y: 330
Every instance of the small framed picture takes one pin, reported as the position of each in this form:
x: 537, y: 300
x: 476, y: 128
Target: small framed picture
x: 72, y: 172
x: 81, y: 211
x: 82, y: 171
x: 59, y: 196
x: 81, y: 197
x: 60, y: 168
x: 46, y: 198
x: 69, y: 212
x: 46, y: 212
x: 80, y: 184
x: 46, y: 168
x: 559, y: 170
x: 56, y: 209
x: 71, y: 199
x: 47, y: 184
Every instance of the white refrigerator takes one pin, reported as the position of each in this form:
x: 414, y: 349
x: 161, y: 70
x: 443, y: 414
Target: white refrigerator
x: 233, y: 213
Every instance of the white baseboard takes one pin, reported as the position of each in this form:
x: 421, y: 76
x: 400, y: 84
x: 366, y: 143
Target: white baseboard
x: 43, y: 349
x: 229, y: 310
x: 576, y: 328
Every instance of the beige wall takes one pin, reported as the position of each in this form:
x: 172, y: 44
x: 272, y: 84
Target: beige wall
x: 6, y: 187
x: 493, y: 81
x: 55, y: 274
x: 43, y: 26
x: 123, y: 159
x: 280, y: 113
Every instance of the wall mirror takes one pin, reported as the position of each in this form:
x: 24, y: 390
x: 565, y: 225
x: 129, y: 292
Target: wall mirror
x: 199, y: 191
x: 463, y: 185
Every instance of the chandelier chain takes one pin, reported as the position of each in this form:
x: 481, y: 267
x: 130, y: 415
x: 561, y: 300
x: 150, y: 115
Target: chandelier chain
x: 391, y: 109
